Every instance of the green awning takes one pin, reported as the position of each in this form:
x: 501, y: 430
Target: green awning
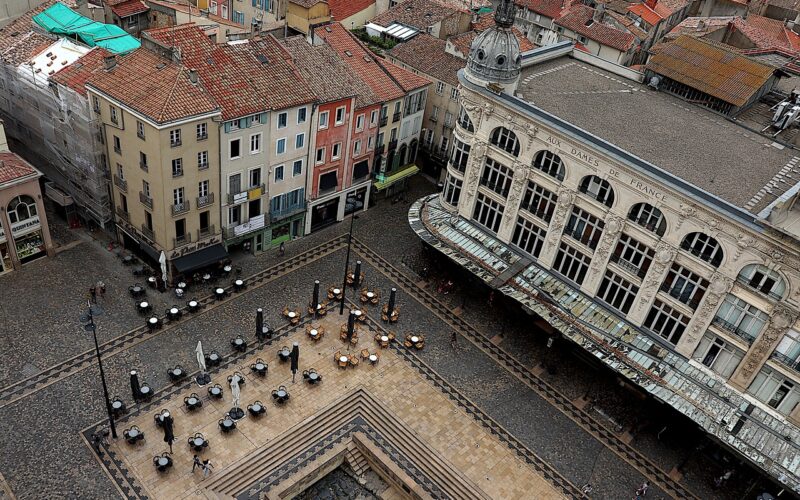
x: 388, y: 181
x: 61, y: 20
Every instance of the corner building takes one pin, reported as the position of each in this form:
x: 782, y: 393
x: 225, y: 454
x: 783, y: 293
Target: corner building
x: 670, y: 254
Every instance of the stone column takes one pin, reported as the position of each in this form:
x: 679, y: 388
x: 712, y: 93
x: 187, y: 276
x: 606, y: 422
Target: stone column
x: 794, y: 417
x: 781, y: 319
x: 719, y: 287
x: 566, y: 197
x: 664, y: 255
x: 509, y: 220
x: 472, y: 177
x: 611, y: 230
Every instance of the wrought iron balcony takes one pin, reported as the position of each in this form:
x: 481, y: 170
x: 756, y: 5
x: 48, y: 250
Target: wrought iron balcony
x: 204, y: 201
x: 121, y: 183
x: 180, y: 208
x: 148, y: 232
x: 246, y: 192
x: 628, y: 265
x: 396, y: 117
x: 792, y: 363
x: 205, y: 232
x: 123, y: 214
x: 686, y: 296
x: 288, y: 211
x: 182, y: 240
x: 384, y: 121
x: 146, y: 200
x: 734, y: 329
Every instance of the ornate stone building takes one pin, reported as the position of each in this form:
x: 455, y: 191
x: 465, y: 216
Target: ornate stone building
x: 657, y: 236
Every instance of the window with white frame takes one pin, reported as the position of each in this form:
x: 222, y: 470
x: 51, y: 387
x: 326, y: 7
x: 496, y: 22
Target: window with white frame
x: 488, y: 212
x: 434, y: 113
x: 632, y: 255
x: 320, y: 155
x: 336, y: 151
x: 235, y: 184
x: 373, y: 117
x: 788, y: 350
x: 440, y: 88
x: 505, y: 140
x: 360, y: 122
x: 460, y: 155
x: 496, y: 177
x: 297, y: 168
x: 139, y: 129
x: 649, y: 217
x: 280, y: 146
x: 666, y: 322
x: 323, y: 119
x: 597, y: 188
x: 120, y: 172
x: 279, y: 173
x: 617, y: 292
x: 177, y: 167
x: 96, y: 103
x: 720, y: 356
x: 117, y: 145
x: 464, y: 121
x: 235, y: 149
x: 571, y: 263
x: 454, y: 93
x: 685, y: 285
x: 528, y: 236
x: 175, y: 137
x: 202, y: 160
x: 703, y: 247
x: 740, y: 317
x: 584, y: 227
x: 370, y: 144
x: 763, y: 280
x: 113, y: 111
x: 255, y: 177
x: 202, y: 131
x: 177, y: 196
x: 299, y: 141
x: 301, y: 115
x: 775, y: 390
x: 549, y: 163
x: 448, y: 119
x: 452, y: 190
x: 145, y: 190
x: 255, y: 143
x: 539, y: 201
x: 357, y: 147
x: 283, y: 119
x: 234, y: 215
x: 340, y: 115
x: 202, y: 188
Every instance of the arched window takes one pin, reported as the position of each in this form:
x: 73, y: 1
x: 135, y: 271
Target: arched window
x: 763, y: 280
x: 649, y: 217
x: 401, y: 156
x: 464, y: 121
x: 412, y: 150
x: 505, y: 140
x: 598, y: 189
x: 703, y: 247
x: 549, y: 163
x: 21, y: 208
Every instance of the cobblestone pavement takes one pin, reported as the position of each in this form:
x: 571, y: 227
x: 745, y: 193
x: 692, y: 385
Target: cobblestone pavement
x: 42, y: 454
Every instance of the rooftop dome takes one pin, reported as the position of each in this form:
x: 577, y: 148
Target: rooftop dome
x: 494, y: 56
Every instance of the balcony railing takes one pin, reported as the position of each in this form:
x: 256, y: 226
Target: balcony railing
x: 792, y: 363
x: 202, y: 165
x: 628, y: 265
x: 263, y: 188
x: 121, y: 183
x: 545, y: 215
x: 287, y: 212
x: 180, y: 208
x: 146, y: 200
x: 205, y: 232
x: 686, y: 296
x: 123, y: 214
x: 204, y: 201
x: 182, y: 240
x: 380, y: 148
x: 148, y: 232
x: 396, y: 117
x: 175, y: 144
x: 143, y: 166
x: 384, y: 121
x: 744, y: 281
x: 749, y: 337
x: 502, y: 188
x: 393, y: 144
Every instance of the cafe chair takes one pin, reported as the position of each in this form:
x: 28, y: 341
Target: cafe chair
x: 193, y: 406
x: 338, y: 358
x: 157, y: 462
x: 256, y: 409
x: 364, y: 354
x: 259, y: 371
x: 192, y: 444
x: 213, y: 389
x: 223, y: 427
x: 354, y: 361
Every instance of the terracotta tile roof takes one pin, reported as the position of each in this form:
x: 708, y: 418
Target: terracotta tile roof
x: 187, y: 8
x: 18, y: 41
x: 78, y: 73
x: 466, y: 4
x: 462, y: 43
x: 486, y: 21
x: 647, y: 14
x: 766, y: 33
x: 244, y: 77
x: 337, y: 82
x: 629, y: 24
x: 699, y: 26
x: 13, y: 167
x: 711, y: 68
x: 417, y: 13
x: 548, y: 8
x: 388, y: 81
x: 153, y: 86
x: 129, y: 8
x: 307, y: 3
x: 342, y: 9
x: 578, y: 20
x: 426, y: 54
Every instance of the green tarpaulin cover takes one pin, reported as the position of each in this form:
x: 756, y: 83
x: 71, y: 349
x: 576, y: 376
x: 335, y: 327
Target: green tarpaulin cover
x: 61, y: 20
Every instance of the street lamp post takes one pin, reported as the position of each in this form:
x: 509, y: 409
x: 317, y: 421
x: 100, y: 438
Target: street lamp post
x: 89, y: 326
x: 347, y: 263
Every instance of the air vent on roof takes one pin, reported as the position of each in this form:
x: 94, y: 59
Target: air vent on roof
x: 161, y: 65
x: 589, y: 22
x: 262, y: 59
x: 328, y: 29
x: 368, y: 58
x: 348, y: 53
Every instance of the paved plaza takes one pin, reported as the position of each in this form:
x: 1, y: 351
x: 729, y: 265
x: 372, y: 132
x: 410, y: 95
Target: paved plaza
x: 521, y: 403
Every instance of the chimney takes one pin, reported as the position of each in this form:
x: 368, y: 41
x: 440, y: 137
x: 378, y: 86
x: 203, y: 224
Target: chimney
x: 109, y: 62
x: 651, y: 3
x: 701, y: 25
x: 193, y: 76
x: 599, y: 12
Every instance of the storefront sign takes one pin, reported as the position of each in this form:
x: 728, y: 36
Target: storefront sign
x: 25, y: 225
x: 577, y: 153
x: 639, y: 185
x: 192, y: 248
x: 240, y: 198
x: 254, y: 193
x: 254, y: 223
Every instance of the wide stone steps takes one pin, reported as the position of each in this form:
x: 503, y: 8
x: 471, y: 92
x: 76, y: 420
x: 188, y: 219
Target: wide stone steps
x: 238, y: 476
x: 357, y: 461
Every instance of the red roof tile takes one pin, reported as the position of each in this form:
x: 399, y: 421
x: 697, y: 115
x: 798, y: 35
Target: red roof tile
x: 486, y: 21
x: 153, y: 86
x: 18, y: 41
x: 417, y: 13
x: 548, y: 8
x: 307, y: 3
x: 427, y: 54
x: 649, y: 16
x: 407, y: 80
x: 766, y: 33
x: 342, y: 9
x: 129, y: 8
x: 578, y: 20
x: 462, y: 43
x: 13, y: 167
x: 234, y: 73
x: 78, y: 73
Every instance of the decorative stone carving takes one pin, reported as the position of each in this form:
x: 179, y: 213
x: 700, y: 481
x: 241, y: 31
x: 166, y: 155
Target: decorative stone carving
x: 743, y: 242
x: 515, y: 193
x: 474, y: 111
x: 664, y: 255
x: 686, y: 211
x: 566, y: 197
x: 719, y: 286
x: 782, y: 318
x: 531, y: 130
x: 613, y: 226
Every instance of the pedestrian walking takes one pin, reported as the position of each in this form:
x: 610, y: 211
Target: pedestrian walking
x: 642, y: 491
x: 101, y: 288
x: 207, y: 466
x: 93, y: 294
x: 586, y: 488
x: 721, y: 480
x: 282, y: 249
x: 196, y: 463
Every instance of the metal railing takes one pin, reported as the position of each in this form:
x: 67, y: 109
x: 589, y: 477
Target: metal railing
x: 792, y: 363
x: 629, y: 266
x: 743, y: 281
x: 123, y: 214
x: 263, y: 188
x: 384, y: 120
x: 182, y: 240
x: 749, y: 337
x: 500, y: 187
x: 205, y: 232
x: 204, y: 201
x: 148, y: 232
x: 202, y: 165
x: 545, y: 215
x: 143, y: 166
x: 396, y: 116
x: 175, y: 144
x: 393, y: 144
x: 288, y: 211
x: 146, y: 200
x: 180, y: 208
x: 121, y: 183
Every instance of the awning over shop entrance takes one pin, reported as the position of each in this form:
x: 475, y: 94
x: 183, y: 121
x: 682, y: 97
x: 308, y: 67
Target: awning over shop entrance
x: 388, y: 181
x: 150, y: 251
x: 200, y: 258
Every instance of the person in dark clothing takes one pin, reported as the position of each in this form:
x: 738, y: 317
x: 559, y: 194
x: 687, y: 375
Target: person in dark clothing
x: 196, y: 463
x: 93, y: 293
x: 282, y: 249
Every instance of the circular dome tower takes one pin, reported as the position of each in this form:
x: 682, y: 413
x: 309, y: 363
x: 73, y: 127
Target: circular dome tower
x: 494, y: 56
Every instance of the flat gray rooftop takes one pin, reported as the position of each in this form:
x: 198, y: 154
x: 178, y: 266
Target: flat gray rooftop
x: 703, y: 148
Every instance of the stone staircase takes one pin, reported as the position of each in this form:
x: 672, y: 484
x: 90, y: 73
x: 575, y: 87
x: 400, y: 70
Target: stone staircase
x: 295, y: 449
x: 357, y: 461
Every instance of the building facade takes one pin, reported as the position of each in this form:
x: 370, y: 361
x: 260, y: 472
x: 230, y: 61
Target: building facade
x: 686, y: 294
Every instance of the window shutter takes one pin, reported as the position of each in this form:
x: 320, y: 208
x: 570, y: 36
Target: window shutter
x: 301, y: 196
x: 242, y: 123
x: 263, y: 119
x: 227, y: 127
x: 254, y: 3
